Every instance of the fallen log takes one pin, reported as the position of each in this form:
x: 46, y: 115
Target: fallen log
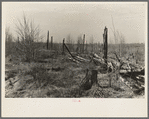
x: 68, y: 50
x: 74, y: 60
x: 98, y: 61
x: 96, y: 56
x: 43, y: 60
x: 57, y: 69
x: 10, y: 74
x: 81, y: 59
x: 139, y: 91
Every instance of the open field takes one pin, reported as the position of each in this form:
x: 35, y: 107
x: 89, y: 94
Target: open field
x: 54, y: 74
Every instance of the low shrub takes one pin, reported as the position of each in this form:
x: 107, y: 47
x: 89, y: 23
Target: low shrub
x: 42, y: 77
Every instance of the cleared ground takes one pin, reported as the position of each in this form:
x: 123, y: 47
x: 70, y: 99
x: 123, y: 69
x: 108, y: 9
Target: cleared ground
x: 60, y: 77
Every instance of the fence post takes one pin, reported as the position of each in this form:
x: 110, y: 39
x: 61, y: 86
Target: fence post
x: 105, y: 47
x: 48, y: 40
x: 51, y: 42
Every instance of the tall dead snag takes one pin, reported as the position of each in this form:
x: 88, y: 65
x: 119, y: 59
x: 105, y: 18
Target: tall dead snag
x: 78, y: 45
x: 86, y: 47
x: 51, y: 42
x: 63, y: 44
x: 83, y: 43
x: 48, y: 40
x: 105, y: 41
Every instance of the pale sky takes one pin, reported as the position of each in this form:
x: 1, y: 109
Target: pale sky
x: 78, y: 18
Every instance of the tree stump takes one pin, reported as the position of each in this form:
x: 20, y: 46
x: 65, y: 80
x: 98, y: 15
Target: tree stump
x: 94, y: 77
x: 89, y: 80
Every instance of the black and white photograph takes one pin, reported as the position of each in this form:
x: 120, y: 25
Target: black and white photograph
x: 75, y: 50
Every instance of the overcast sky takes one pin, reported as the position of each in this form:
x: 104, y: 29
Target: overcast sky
x: 78, y: 18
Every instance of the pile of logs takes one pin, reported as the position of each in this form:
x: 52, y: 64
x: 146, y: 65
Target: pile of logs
x: 113, y: 66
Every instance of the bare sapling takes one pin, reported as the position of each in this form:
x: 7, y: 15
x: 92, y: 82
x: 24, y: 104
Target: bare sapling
x: 28, y: 34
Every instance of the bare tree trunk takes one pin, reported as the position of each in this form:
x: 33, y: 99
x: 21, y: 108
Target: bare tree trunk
x: 92, y: 47
x: 83, y: 43
x: 105, y: 36
x: 48, y: 40
x: 78, y: 47
x: 63, y: 44
x: 51, y: 42
x: 119, y: 50
x: 86, y: 46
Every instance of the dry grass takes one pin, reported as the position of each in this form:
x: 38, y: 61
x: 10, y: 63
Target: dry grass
x: 36, y: 81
